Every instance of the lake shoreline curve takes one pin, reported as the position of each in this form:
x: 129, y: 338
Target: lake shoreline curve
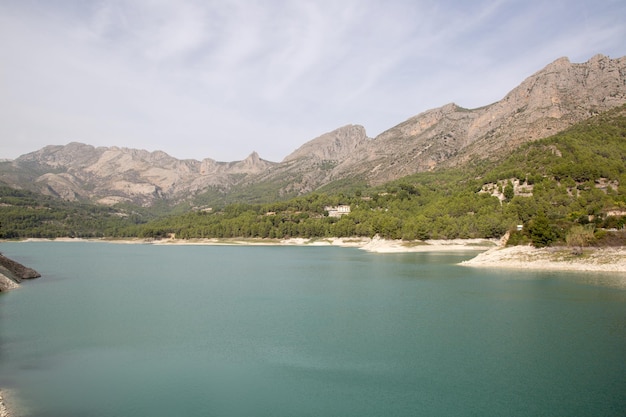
x: 492, y: 252
x: 375, y: 244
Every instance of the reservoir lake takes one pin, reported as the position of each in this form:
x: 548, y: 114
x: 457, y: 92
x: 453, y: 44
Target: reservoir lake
x: 158, y: 330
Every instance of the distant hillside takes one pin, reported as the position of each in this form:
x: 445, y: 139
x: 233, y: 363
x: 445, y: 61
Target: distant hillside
x: 574, y: 180
x: 26, y: 214
x: 569, y: 184
x: 549, y: 101
x: 114, y: 175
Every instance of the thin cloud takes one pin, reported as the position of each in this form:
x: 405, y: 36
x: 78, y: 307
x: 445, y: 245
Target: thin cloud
x: 220, y: 79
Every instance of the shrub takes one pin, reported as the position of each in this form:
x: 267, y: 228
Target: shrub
x: 579, y: 237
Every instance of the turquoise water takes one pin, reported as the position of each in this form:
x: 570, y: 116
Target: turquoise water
x: 143, y: 330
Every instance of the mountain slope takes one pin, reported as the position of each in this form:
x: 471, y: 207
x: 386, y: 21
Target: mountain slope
x: 552, y: 99
x: 547, y: 102
x: 574, y: 180
x: 569, y: 182
x: 113, y: 175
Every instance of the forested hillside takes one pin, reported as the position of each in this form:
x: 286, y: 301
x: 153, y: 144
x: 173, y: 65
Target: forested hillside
x: 573, y: 183
x: 25, y: 214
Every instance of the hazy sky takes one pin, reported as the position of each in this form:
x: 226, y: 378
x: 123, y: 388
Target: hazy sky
x: 220, y: 79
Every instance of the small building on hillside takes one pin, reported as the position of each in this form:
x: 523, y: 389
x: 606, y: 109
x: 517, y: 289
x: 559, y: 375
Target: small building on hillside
x: 337, y: 211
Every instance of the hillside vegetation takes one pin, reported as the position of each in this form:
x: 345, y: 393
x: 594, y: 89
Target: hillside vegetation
x: 568, y: 187
x: 25, y: 214
x: 566, y: 184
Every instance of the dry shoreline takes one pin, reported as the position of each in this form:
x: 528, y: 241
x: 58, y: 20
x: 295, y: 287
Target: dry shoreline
x: 375, y: 244
x: 4, y: 412
x: 492, y: 253
x: 606, y: 259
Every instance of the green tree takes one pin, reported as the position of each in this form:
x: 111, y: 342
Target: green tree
x: 541, y: 232
x: 509, y: 191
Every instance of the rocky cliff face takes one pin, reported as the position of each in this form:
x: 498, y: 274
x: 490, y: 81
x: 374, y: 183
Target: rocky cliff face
x: 547, y: 102
x: 554, y: 98
x: 314, y: 163
x: 336, y: 146
x: 114, y: 175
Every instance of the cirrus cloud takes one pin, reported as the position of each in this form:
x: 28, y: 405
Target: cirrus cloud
x: 220, y: 79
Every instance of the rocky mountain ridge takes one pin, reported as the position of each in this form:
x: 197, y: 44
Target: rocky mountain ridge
x: 552, y: 99
x: 110, y: 175
x: 547, y: 102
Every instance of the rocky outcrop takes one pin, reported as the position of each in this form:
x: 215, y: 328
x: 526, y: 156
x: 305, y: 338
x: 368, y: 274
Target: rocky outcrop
x: 336, y: 146
x: 7, y: 283
x: 12, y: 273
x: 314, y: 163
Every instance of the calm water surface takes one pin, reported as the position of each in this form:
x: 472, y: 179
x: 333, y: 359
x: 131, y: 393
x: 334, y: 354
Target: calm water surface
x: 143, y: 330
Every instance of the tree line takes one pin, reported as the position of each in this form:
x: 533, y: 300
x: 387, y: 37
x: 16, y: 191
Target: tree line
x: 575, y: 178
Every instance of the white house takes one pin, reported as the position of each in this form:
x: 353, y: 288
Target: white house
x: 337, y: 211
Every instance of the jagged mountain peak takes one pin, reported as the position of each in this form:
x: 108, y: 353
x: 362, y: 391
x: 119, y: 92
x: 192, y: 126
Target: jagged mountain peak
x: 253, y: 164
x: 74, y: 153
x: 552, y: 99
x: 563, y: 62
x: 335, y: 145
x: 253, y: 159
x: 114, y: 174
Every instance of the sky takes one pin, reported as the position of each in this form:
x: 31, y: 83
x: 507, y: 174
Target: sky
x: 220, y: 79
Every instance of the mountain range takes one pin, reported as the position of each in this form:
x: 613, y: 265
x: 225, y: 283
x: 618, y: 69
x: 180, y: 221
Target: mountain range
x: 551, y: 100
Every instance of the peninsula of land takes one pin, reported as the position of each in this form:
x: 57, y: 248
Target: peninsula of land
x: 596, y: 259
x: 12, y: 273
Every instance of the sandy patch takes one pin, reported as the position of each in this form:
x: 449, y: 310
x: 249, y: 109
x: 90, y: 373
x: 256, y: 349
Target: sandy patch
x: 453, y: 245
x: 4, y: 411
x: 379, y: 245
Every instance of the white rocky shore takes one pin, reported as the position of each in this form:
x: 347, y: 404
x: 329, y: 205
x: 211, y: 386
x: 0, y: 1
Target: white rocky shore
x: 492, y: 254
x: 375, y: 244
x: 379, y: 245
x: 607, y: 259
x: 4, y: 412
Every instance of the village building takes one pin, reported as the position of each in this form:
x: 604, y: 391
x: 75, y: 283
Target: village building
x: 337, y: 211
